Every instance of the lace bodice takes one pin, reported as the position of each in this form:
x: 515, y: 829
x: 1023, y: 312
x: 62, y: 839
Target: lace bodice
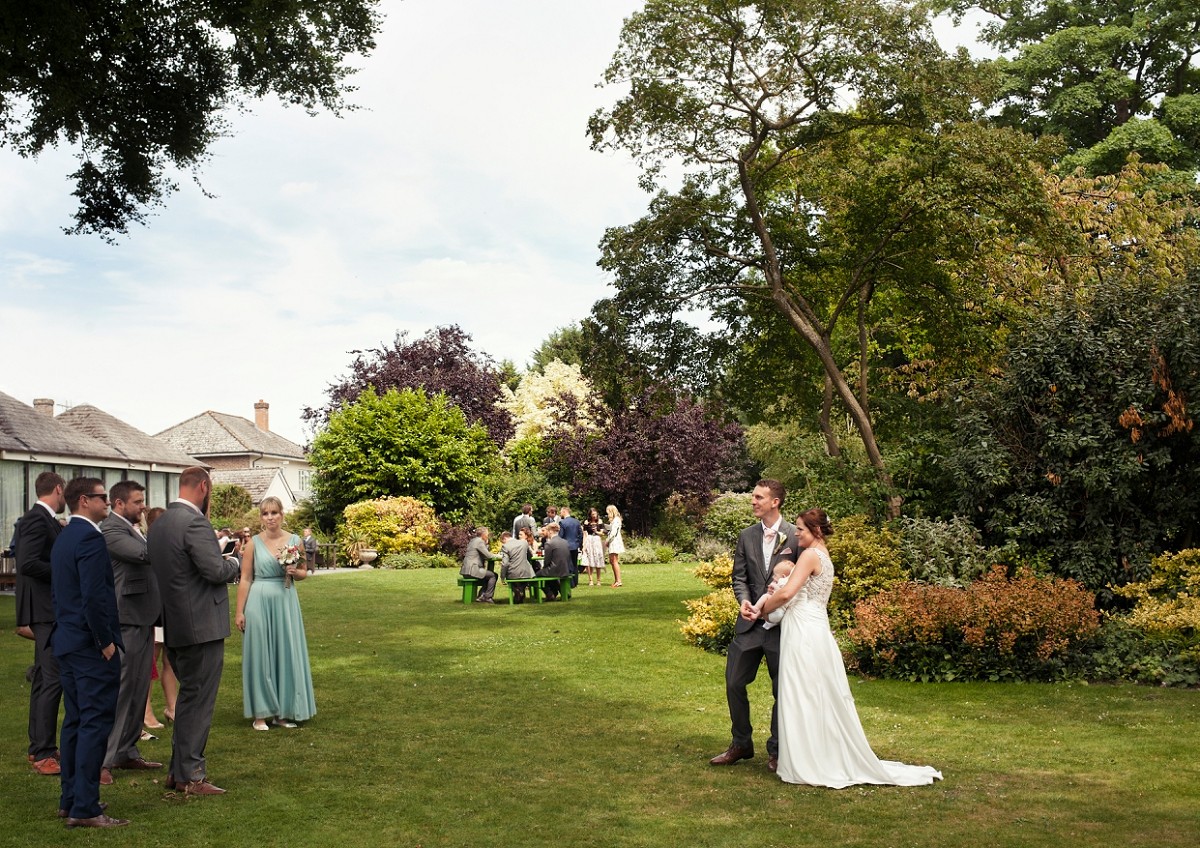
x: 817, y: 588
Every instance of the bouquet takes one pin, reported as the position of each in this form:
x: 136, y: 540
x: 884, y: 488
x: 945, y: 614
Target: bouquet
x: 289, y: 555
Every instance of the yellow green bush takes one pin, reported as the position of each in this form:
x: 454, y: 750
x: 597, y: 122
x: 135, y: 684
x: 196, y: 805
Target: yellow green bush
x: 712, y: 620
x: 1168, y: 604
x: 717, y: 574
x: 866, y: 561
x: 393, y: 525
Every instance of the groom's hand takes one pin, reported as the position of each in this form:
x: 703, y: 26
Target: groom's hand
x: 748, y: 611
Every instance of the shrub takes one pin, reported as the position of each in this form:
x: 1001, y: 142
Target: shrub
x: 410, y: 559
x: 228, y: 503
x: 947, y: 553
x: 453, y: 539
x: 709, y: 548
x: 639, y: 550
x: 1168, y: 604
x: 711, y: 621
x: 728, y: 516
x: 1120, y: 651
x: 866, y: 561
x: 394, y: 525
x: 1026, y: 628
x: 718, y: 574
x: 663, y: 553
x: 678, y: 520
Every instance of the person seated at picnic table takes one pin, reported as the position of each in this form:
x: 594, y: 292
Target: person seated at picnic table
x: 476, y: 562
x: 531, y: 539
x: 515, y: 563
x: 557, y: 560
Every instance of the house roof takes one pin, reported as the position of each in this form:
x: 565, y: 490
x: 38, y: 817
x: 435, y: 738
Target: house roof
x: 24, y: 429
x: 256, y: 481
x: 127, y: 440
x: 218, y: 434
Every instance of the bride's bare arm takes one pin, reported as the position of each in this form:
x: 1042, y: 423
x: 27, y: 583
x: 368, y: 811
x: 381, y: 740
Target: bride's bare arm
x: 808, y: 565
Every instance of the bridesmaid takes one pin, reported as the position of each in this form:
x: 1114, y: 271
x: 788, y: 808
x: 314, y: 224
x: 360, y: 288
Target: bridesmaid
x: 616, y: 545
x: 276, y: 678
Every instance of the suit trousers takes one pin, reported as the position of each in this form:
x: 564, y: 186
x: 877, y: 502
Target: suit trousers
x: 131, y: 699
x: 89, y: 688
x: 45, y: 694
x: 745, y: 655
x: 574, y: 568
x: 198, y: 668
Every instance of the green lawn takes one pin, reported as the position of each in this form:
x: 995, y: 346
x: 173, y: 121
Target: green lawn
x: 590, y: 723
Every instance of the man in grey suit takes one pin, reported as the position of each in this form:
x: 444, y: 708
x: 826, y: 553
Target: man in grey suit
x: 514, y: 563
x: 556, y: 559
x: 138, y: 608
x: 475, y: 564
x: 192, y: 580
x: 36, y: 533
x: 759, y: 547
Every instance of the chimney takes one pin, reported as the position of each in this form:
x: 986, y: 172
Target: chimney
x: 45, y: 406
x: 261, y: 418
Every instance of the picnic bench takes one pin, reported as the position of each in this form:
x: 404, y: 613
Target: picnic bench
x: 471, y: 586
x: 8, y: 571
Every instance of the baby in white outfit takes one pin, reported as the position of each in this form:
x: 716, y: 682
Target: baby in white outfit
x: 781, y: 573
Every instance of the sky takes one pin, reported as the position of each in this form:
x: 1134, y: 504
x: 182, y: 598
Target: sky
x: 462, y: 191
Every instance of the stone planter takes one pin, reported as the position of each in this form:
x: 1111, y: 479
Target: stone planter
x: 367, y: 556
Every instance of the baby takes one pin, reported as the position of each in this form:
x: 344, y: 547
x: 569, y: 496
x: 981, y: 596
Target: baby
x: 781, y: 573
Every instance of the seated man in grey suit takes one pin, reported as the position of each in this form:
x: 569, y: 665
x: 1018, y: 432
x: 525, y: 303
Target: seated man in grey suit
x: 557, y: 562
x: 515, y: 563
x: 193, y: 581
x: 475, y: 564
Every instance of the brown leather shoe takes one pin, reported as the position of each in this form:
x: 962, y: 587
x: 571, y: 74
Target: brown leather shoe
x: 731, y: 756
x: 49, y: 765
x: 138, y: 763
x: 772, y: 764
x: 102, y: 820
x: 106, y: 778
x: 202, y: 787
x: 62, y: 814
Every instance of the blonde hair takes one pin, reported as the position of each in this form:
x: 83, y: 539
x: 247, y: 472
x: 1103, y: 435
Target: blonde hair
x: 270, y: 501
x: 613, y: 512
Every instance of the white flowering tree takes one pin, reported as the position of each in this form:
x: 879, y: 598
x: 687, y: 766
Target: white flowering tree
x: 538, y: 402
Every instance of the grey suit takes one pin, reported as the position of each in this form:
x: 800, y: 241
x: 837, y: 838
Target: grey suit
x: 514, y: 556
x: 192, y: 579
x: 36, y: 533
x: 138, y: 607
x: 751, y: 641
x: 475, y: 564
x: 557, y: 563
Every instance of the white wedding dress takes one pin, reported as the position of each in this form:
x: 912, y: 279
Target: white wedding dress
x: 821, y: 741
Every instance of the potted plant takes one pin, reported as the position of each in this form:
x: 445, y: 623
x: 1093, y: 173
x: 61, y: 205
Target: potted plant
x: 358, y: 547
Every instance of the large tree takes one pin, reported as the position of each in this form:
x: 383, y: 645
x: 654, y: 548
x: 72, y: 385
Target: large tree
x: 443, y: 361
x: 139, y: 87
x: 829, y: 170
x: 1111, y: 77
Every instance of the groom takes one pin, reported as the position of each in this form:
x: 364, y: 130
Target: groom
x: 759, y: 547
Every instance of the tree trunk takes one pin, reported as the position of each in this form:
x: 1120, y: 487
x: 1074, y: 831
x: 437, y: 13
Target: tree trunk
x: 832, y: 447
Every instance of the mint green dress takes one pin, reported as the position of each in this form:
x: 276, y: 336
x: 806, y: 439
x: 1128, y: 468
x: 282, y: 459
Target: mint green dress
x: 276, y: 678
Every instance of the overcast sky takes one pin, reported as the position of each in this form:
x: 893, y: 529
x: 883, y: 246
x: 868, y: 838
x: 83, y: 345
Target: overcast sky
x: 463, y: 191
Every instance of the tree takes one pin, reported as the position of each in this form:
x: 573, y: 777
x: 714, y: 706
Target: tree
x: 1111, y: 77
x: 540, y: 397
x: 398, y: 443
x: 140, y: 87
x: 663, y: 444
x: 751, y: 99
x: 440, y: 361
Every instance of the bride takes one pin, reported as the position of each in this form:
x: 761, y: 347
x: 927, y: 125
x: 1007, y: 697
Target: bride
x: 821, y: 741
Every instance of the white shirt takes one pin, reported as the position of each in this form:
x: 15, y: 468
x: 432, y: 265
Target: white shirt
x: 769, y: 546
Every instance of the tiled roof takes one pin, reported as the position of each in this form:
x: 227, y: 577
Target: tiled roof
x: 256, y: 481
x: 129, y: 441
x: 24, y: 429
x: 216, y: 434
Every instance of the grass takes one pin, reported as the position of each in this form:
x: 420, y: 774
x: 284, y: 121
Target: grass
x: 590, y: 723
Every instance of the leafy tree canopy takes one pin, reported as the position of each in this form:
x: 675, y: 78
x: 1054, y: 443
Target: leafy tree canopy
x: 539, y: 398
x: 139, y: 86
x: 440, y: 361
x: 399, y: 443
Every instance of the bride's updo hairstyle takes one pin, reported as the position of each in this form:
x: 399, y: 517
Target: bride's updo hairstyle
x: 817, y: 522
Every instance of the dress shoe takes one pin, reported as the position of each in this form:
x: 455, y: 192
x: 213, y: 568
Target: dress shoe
x: 102, y: 820
x: 283, y: 722
x: 772, y: 764
x: 49, y: 765
x: 260, y: 724
x: 62, y: 814
x: 138, y: 764
x: 154, y: 725
x: 732, y: 755
x: 486, y: 601
x: 106, y: 778
x: 202, y: 787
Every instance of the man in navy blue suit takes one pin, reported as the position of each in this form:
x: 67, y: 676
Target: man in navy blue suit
x: 87, y: 634
x: 571, y: 532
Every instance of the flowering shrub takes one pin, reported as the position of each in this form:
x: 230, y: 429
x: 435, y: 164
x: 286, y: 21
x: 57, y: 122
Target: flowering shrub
x: 394, y: 525
x: 866, y: 562
x: 712, y: 620
x: 718, y: 574
x: 535, y: 406
x: 1026, y: 628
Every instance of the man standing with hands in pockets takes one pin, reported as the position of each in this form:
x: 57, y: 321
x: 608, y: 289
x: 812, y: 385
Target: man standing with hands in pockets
x: 759, y: 547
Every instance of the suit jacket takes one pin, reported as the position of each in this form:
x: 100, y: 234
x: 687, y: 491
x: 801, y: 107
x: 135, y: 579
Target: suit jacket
x: 750, y: 574
x: 571, y: 532
x: 557, y: 562
x: 137, y: 588
x: 36, y: 532
x: 85, y: 601
x: 192, y: 577
x: 514, y: 556
x: 476, y: 559
x: 524, y: 520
